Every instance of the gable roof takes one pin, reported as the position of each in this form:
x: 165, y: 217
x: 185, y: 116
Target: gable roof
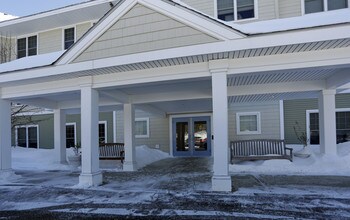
x: 221, y: 32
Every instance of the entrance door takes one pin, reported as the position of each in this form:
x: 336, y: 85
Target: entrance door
x: 191, y: 136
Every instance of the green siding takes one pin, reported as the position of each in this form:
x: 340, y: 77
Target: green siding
x: 295, y: 110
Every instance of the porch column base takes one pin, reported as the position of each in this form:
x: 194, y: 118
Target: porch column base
x: 93, y: 179
x: 221, y: 183
x: 129, y: 166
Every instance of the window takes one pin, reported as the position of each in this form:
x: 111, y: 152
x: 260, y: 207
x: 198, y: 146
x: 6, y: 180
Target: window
x: 69, y: 37
x: 71, y: 135
x: 342, y: 126
x: 312, y: 6
x: 233, y: 10
x: 142, y: 127
x: 27, y: 136
x: 27, y: 46
x: 248, y: 123
x: 102, y: 132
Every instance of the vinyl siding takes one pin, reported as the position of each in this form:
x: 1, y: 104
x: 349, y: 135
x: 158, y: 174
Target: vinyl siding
x: 295, y: 110
x: 142, y: 30
x: 82, y: 29
x: 50, y: 41
x: 266, y: 10
x: 204, y: 6
x: 269, y: 116
x: 288, y: 8
x: 158, y: 131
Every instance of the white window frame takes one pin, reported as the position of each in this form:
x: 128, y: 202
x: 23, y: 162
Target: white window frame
x: 325, y: 4
x: 317, y: 111
x: 238, y: 123
x: 26, y: 37
x: 27, y: 126
x: 256, y: 13
x: 75, y: 131
x: 75, y: 34
x: 106, y: 131
x: 147, y: 121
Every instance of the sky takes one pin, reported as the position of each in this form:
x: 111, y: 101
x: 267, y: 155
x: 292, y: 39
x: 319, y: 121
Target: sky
x: 27, y: 7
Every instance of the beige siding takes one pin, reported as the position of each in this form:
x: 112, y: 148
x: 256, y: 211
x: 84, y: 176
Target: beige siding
x: 269, y: 116
x: 158, y: 134
x: 288, y: 8
x: 204, y: 6
x: 50, y: 41
x: 141, y: 30
x: 295, y: 111
x: 82, y: 29
x: 266, y: 10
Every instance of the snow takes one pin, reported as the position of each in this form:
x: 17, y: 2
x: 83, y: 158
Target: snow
x: 316, y: 164
x: 30, y: 62
x: 5, y: 17
x: 146, y: 155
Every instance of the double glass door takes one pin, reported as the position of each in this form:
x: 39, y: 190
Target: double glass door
x: 191, y: 136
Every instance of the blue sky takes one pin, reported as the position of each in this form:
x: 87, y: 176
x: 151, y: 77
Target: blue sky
x: 28, y: 7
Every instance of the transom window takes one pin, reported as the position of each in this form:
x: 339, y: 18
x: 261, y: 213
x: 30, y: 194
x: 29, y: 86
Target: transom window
x: 142, y: 127
x: 27, y: 46
x: 233, y: 10
x: 248, y: 123
x: 313, y: 6
x: 69, y: 37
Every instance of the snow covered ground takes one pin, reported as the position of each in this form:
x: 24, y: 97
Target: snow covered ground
x: 316, y: 164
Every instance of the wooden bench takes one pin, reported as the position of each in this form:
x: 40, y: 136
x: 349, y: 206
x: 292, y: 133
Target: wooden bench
x: 112, y: 151
x: 260, y: 150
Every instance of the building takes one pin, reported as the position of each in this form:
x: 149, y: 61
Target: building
x: 182, y: 76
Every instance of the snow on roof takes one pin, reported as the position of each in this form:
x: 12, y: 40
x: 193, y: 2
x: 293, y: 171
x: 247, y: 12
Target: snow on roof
x: 285, y: 24
x: 30, y: 62
x: 5, y: 17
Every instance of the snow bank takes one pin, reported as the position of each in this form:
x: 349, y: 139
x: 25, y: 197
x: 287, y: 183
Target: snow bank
x: 316, y: 164
x: 146, y: 155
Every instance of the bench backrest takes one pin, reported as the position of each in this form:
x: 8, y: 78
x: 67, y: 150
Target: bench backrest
x: 257, y: 147
x: 111, y: 150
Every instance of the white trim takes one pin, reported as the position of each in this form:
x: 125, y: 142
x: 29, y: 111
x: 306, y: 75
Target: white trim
x: 258, y: 118
x: 325, y: 7
x: 256, y: 9
x: 114, y: 126
x: 26, y: 127
x: 147, y: 135
x: 75, y: 131
x: 63, y: 34
x: 106, y: 131
x: 282, y: 135
x: 317, y: 111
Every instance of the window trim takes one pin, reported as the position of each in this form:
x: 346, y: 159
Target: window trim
x: 238, y: 123
x: 317, y: 111
x: 325, y: 4
x: 106, y: 131
x: 63, y: 33
x: 147, y: 126
x: 26, y: 37
x: 256, y: 12
x: 26, y: 127
x: 75, y: 131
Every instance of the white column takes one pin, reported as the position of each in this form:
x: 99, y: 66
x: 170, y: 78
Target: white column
x: 221, y: 180
x: 90, y: 171
x: 129, y: 136
x: 327, y: 122
x: 60, y: 135
x: 5, y: 136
